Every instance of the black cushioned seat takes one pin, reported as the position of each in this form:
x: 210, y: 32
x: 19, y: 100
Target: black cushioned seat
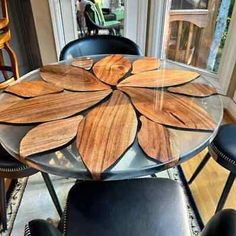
x: 134, y: 207
x: 99, y: 44
x: 9, y: 164
x: 223, y: 147
x: 223, y: 150
x: 145, y: 207
x: 222, y: 224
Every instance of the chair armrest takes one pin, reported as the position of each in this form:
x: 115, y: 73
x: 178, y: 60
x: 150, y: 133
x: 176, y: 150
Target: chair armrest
x: 41, y: 228
x: 223, y: 223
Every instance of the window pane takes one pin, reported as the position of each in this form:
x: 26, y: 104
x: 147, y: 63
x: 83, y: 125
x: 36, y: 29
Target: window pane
x: 198, y: 30
x: 188, y: 4
x: 109, y: 14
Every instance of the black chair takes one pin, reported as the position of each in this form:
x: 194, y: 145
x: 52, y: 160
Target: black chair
x: 223, y: 150
x: 12, y: 169
x: 99, y: 44
x: 133, y: 207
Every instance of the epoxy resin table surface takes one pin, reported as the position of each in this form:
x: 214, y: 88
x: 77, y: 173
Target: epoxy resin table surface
x: 108, y: 117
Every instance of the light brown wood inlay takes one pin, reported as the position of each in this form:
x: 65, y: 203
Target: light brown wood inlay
x: 11, y: 100
x: 33, y: 88
x: 112, y: 68
x: 145, y: 64
x: 158, y: 142
x: 106, y: 132
x: 71, y: 78
x: 83, y: 62
x: 51, y: 107
x: 169, y: 109
x: 159, y: 78
x: 194, y: 89
x: 49, y: 135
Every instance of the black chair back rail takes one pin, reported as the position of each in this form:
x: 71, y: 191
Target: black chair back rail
x: 99, y: 44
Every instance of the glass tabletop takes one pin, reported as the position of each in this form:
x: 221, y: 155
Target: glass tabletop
x: 134, y: 161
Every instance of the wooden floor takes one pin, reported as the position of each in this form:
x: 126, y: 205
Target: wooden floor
x: 208, y: 185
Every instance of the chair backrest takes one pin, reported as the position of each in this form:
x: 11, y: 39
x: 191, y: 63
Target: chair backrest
x: 196, y: 21
x: 99, y: 44
x: 4, y: 11
x: 95, y: 13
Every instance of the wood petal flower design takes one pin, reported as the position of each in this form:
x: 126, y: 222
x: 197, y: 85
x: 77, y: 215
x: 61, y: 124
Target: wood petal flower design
x: 111, y: 104
x: 159, y: 78
x: 194, y: 89
x: 169, y: 109
x: 106, y: 132
x: 51, y: 107
x: 71, y: 78
x: 145, y: 64
x: 84, y: 62
x: 34, y: 88
x: 158, y: 142
x: 48, y: 136
x: 111, y: 68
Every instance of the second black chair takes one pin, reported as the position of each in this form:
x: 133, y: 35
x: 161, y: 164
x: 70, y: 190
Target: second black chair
x: 99, y: 44
x: 223, y: 150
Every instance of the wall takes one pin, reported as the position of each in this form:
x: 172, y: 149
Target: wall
x: 43, y: 24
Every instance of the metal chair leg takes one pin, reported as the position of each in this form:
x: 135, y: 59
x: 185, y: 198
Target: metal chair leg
x: 3, y: 205
x: 52, y: 192
x: 225, y: 192
x: 200, y: 167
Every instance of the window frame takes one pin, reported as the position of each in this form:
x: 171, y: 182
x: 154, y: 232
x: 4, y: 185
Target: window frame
x: 135, y: 22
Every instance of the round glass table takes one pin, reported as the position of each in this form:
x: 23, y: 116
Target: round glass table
x: 142, y: 125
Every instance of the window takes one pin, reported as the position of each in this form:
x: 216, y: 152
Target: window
x: 198, y: 31
x: 198, y: 34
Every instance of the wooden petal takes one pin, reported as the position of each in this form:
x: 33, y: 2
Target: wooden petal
x: 106, y: 132
x: 112, y: 68
x: 48, y: 136
x: 11, y: 100
x: 194, y: 89
x: 169, y: 109
x: 71, y: 78
x: 33, y: 88
x: 158, y: 142
x: 84, y: 62
x: 159, y: 78
x: 51, y: 107
x: 145, y: 64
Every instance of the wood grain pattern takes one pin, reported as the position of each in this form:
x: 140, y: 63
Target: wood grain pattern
x: 145, y: 64
x: 51, y: 107
x: 159, y: 78
x: 158, y: 142
x: 111, y: 68
x: 48, y: 136
x: 169, y: 109
x: 33, y: 88
x: 71, y: 78
x: 83, y: 62
x: 11, y: 100
x: 194, y: 89
x: 106, y: 132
